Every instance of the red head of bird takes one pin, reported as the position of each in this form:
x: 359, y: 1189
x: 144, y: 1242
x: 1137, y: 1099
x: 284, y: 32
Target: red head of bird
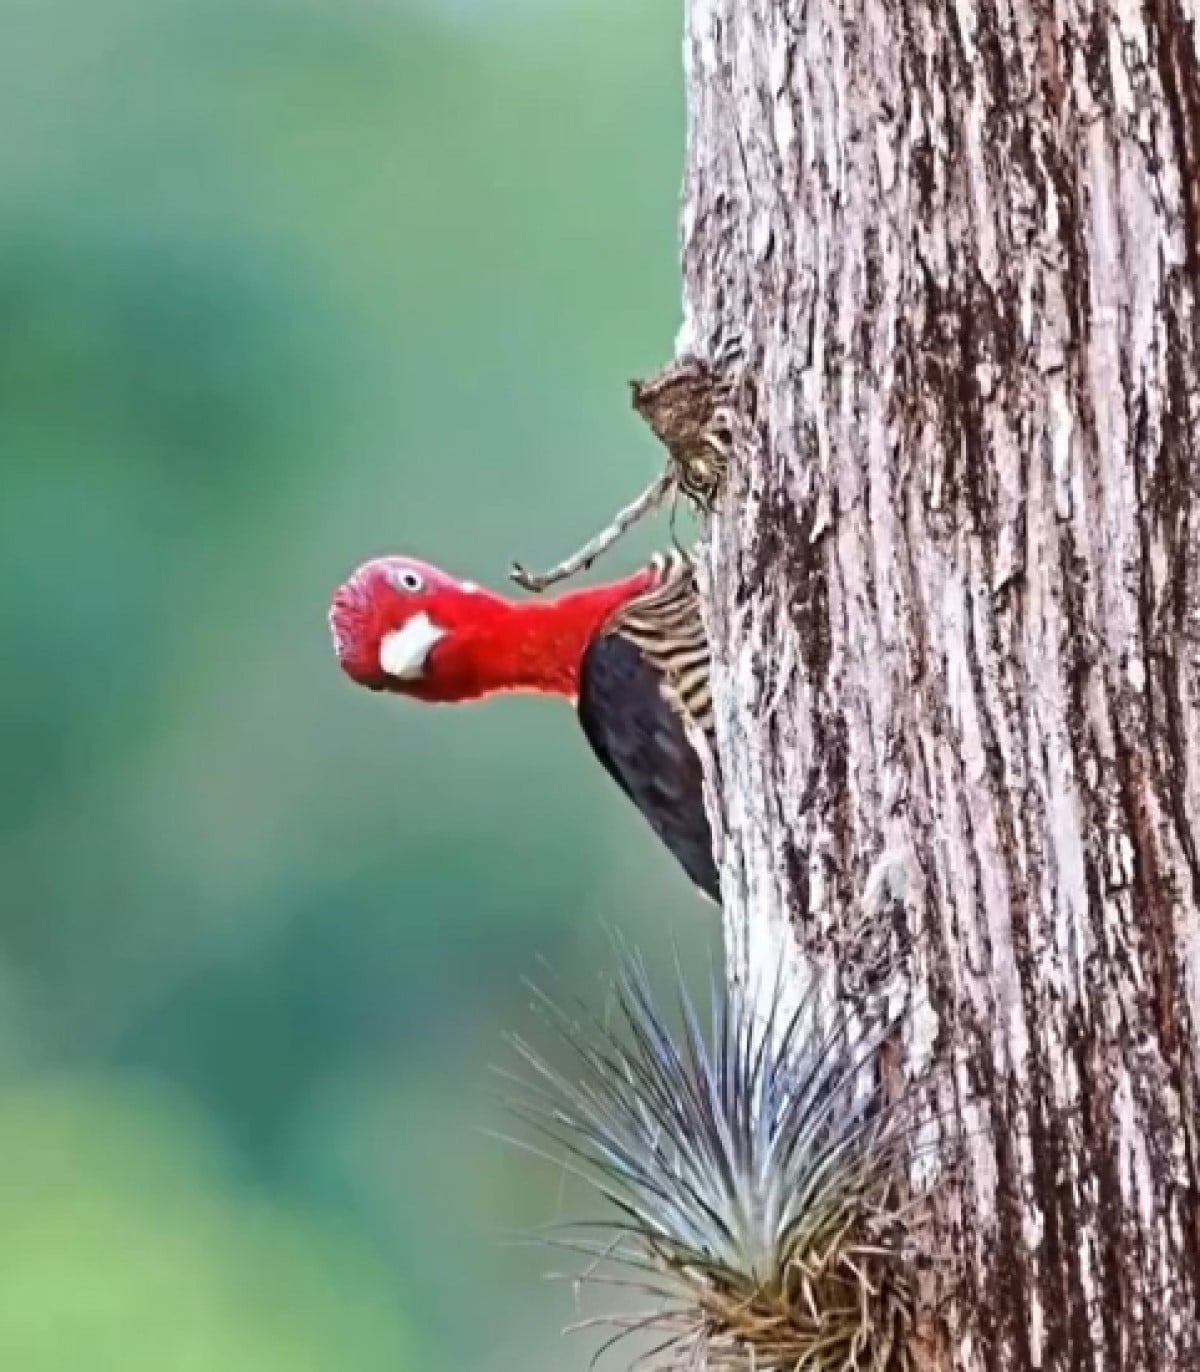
x: 403, y: 626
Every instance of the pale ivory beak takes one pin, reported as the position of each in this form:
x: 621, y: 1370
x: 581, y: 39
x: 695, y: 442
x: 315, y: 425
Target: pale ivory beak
x: 403, y: 652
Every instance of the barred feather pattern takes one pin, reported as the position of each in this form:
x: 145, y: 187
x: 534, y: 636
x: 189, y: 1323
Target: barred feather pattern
x: 665, y: 624
x: 756, y: 1176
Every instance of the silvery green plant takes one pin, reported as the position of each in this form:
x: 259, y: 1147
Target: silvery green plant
x: 755, y: 1172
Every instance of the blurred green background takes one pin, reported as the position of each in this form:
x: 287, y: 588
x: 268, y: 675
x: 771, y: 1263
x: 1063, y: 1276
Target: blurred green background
x: 285, y: 284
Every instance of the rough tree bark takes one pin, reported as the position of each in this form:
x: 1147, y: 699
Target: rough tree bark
x: 954, y: 597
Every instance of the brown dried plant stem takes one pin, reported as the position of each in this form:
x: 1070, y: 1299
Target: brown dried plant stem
x: 650, y: 499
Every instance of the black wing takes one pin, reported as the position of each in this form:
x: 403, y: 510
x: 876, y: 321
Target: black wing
x: 642, y: 742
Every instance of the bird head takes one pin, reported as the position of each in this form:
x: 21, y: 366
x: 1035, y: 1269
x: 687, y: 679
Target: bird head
x: 401, y: 625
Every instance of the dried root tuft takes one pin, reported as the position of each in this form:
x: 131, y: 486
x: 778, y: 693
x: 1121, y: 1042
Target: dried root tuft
x: 692, y: 408
x: 757, y: 1175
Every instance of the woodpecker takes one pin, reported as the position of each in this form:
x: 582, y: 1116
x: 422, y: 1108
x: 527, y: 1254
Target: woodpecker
x: 631, y: 655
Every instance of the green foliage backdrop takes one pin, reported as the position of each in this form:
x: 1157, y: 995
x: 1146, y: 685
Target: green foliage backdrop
x: 284, y: 284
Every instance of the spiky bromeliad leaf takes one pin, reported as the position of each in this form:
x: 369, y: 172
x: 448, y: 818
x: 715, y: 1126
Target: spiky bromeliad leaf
x: 755, y: 1170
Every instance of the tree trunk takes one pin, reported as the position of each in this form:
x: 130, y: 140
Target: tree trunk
x: 953, y: 601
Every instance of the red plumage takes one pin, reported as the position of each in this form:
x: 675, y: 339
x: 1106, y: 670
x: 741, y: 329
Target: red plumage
x: 404, y: 627
x: 491, y: 644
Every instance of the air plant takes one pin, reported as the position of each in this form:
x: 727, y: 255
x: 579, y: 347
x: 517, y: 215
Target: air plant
x: 756, y: 1175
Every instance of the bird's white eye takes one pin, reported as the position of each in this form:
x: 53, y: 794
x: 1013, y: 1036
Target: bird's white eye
x: 406, y: 579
